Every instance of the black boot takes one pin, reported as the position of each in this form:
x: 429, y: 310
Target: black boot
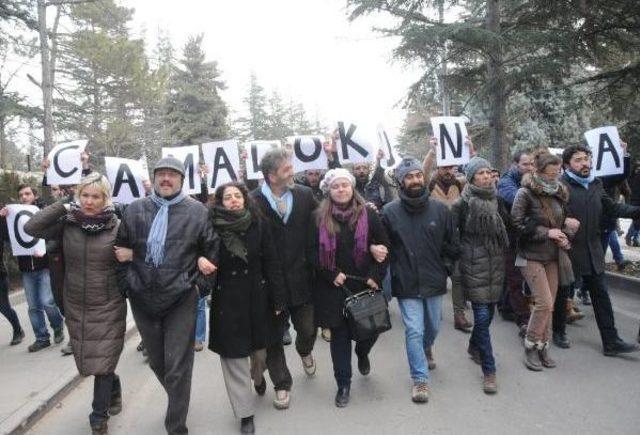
x: 342, y: 396
x: 39, y: 345
x: 261, y: 388
x: 18, y: 335
x: 560, y: 339
x: 619, y: 347
x: 247, y: 425
x: 116, y: 397
x: 364, y: 366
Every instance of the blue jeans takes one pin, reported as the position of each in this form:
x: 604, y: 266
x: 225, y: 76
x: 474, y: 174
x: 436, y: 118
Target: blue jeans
x: 481, y: 338
x: 37, y: 289
x: 421, y: 318
x: 201, y: 321
x: 610, y: 239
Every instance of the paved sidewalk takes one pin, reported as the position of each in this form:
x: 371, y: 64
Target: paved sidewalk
x: 29, y: 381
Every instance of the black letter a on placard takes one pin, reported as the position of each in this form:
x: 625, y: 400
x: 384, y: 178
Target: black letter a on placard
x: 444, y: 136
x: 606, y: 146
x: 130, y: 180
x: 221, y: 161
x: 346, y: 141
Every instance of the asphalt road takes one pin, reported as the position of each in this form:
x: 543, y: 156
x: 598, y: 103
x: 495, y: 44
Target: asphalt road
x: 587, y: 393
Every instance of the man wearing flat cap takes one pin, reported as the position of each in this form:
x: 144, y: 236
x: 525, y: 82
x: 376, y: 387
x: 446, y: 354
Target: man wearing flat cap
x: 166, y: 240
x: 423, y: 248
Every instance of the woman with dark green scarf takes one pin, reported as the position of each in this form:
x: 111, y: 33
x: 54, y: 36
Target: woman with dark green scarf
x: 246, y: 300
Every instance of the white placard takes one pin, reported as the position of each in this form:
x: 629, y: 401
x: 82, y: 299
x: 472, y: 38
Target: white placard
x: 21, y: 242
x: 307, y: 153
x: 65, y: 163
x: 190, y: 156
x: 223, y: 160
x: 125, y: 176
x: 357, y: 145
x: 607, y: 153
x: 391, y: 156
x: 255, y: 151
x: 451, y: 134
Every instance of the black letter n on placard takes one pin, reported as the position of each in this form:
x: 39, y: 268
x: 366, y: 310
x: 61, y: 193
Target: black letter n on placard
x: 221, y: 161
x: 606, y: 146
x: 129, y: 180
x: 297, y: 148
x: 456, y: 148
x: 346, y: 141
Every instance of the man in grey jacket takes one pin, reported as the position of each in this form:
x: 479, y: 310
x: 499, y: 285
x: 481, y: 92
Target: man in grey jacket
x: 424, y: 247
x: 167, y: 240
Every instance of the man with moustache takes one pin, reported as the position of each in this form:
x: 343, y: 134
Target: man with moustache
x: 288, y: 208
x: 165, y: 239
x: 589, y: 203
x: 424, y: 247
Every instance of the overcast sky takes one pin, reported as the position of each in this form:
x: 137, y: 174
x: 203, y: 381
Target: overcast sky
x: 306, y: 49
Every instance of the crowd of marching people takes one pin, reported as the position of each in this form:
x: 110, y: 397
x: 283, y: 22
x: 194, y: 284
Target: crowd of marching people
x: 296, y: 249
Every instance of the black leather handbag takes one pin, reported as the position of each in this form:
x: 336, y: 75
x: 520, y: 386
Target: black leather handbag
x: 366, y: 313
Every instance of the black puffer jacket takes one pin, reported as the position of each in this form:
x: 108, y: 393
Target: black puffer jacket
x: 481, y: 271
x: 189, y: 235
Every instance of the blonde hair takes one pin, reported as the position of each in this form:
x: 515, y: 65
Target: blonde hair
x: 97, y: 181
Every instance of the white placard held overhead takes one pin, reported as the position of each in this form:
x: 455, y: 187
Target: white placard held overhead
x: 125, y: 176
x: 190, y: 155
x: 21, y: 242
x: 391, y: 157
x: 357, y: 145
x: 255, y: 151
x: 606, y: 149
x: 451, y: 134
x: 223, y: 160
x: 65, y: 163
x: 307, y: 153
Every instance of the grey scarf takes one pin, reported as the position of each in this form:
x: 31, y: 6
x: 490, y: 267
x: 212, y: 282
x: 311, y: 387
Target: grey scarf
x: 483, y: 222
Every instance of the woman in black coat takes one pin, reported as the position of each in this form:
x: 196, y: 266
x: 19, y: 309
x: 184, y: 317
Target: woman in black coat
x: 344, y: 232
x: 247, y: 297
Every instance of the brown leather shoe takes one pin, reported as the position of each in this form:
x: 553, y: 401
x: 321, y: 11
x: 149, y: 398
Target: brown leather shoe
x: 572, y: 314
x: 461, y: 323
x: 474, y: 354
x: 489, y: 385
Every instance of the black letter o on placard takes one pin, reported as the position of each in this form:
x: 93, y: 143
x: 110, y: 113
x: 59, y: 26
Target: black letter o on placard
x: 19, y: 239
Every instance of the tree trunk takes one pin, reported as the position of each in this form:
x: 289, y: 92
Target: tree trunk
x: 47, y: 86
x: 3, y: 142
x: 444, y: 97
x: 497, y: 91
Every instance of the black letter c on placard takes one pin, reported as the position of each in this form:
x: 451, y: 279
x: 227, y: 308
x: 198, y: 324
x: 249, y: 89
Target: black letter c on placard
x: 19, y: 239
x: 56, y: 165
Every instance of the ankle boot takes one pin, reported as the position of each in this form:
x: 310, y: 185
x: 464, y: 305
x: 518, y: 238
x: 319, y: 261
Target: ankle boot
x: 572, y: 314
x: 18, y: 336
x: 545, y: 359
x: 489, y: 385
x: 531, y: 357
x: 247, y: 425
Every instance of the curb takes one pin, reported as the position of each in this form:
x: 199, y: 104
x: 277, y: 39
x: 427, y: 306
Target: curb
x: 38, y: 405
x: 623, y: 282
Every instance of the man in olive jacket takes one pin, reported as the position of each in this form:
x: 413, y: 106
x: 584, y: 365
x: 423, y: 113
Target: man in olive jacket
x: 424, y: 246
x: 589, y: 203
x: 171, y: 239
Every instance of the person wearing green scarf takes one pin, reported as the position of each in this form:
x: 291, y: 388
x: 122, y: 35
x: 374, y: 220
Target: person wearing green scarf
x: 247, y: 299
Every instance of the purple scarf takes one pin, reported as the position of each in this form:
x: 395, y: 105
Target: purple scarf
x: 328, y: 242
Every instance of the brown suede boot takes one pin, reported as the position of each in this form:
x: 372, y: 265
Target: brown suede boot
x: 489, y: 385
x: 572, y: 314
x: 531, y: 356
x: 461, y: 323
x: 545, y: 359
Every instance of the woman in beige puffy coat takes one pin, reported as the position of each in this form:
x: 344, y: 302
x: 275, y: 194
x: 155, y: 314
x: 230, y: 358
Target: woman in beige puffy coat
x: 94, y: 308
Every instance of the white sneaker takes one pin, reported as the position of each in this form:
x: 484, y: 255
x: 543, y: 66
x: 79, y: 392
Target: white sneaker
x: 309, y: 365
x: 282, y: 399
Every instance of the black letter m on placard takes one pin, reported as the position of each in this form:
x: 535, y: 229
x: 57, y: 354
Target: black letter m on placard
x: 346, y: 141
x: 606, y: 146
x: 456, y: 148
x: 130, y: 180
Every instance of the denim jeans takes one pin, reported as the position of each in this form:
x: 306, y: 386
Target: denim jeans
x: 37, y: 289
x: 5, y: 305
x: 201, y: 321
x: 481, y: 338
x: 421, y: 318
x: 610, y: 239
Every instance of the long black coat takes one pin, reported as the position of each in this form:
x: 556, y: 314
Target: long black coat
x: 328, y: 299
x: 589, y: 207
x: 292, y: 242
x: 246, y: 296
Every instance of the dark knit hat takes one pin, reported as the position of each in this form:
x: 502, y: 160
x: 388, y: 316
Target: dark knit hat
x: 475, y: 164
x: 406, y: 165
x: 170, y: 163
